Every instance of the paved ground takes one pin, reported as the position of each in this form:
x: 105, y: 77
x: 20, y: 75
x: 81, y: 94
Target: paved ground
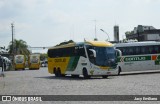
x: 40, y: 82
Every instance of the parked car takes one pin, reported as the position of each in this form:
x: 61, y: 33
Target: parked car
x: 44, y: 63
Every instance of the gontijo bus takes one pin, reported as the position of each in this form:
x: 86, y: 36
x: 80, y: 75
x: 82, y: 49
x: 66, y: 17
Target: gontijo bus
x: 34, y: 61
x: 19, y: 62
x: 139, y: 56
x: 87, y: 58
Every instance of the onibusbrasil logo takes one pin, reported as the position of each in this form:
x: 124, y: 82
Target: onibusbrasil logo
x: 21, y: 98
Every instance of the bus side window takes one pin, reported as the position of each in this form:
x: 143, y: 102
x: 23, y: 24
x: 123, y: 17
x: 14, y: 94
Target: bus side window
x: 143, y: 51
x: 59, y: 52
x: 66, y: 52
x: 124, y: 51
x: 127, y: 50
x: 76, y: 51
x: 156, y: 49
x: 80, y: 51
x: 72, y: 51
x: 150, y: 50
x: 137, y: 50
x: 51, y: 53
x: 130, y: 50
x: 62, y: 54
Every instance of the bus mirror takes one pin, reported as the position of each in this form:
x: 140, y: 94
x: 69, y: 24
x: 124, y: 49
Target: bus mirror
x: 118, y: 52
x: 93, y: 52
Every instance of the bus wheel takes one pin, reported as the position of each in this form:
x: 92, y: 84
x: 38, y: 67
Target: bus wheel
x: 119, y: 70
x: 85, y: 74
x: 75, y: 76
x: 104, y: 76
x: 63, y: 75
x: 55, y: 72
x: 59, y: 73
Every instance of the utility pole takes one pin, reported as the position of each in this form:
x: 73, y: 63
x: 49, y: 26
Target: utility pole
x: 95, y: 30
x: 12, y: 26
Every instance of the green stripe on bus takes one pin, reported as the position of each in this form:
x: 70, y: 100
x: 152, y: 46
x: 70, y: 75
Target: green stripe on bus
x: 158, y: 58
x: 72, y: 63
x: 157, y: 62
x: 136, y: 58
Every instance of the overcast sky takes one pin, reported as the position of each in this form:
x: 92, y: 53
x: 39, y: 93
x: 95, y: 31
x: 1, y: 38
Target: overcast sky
x: 49, y: 22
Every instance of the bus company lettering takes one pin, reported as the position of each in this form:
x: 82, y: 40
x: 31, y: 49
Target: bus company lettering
x: 135, y: 58
x: 60, y: 60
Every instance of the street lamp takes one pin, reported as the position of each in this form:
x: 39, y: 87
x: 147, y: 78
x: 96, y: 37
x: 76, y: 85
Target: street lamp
x: 105, y: 33
x: 95, y: 31
x: 12, y: 26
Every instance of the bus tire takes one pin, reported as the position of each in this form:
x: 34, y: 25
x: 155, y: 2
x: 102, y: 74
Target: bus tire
x: 55, y: 72
x: 75, y: 76
x: 85, y: 74
x: 104, y: 76
x: 59, y: 72
x: 63, y: 75
x: 119, y: 70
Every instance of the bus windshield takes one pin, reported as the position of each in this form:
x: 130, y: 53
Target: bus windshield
x: 105, y: 56
x: 34, y: 59
x: 19, y: 59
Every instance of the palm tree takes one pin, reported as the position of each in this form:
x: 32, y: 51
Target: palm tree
x: 19, y: 46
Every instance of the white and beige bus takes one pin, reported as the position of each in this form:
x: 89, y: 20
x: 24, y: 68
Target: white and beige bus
x: 139, y: 56
x: 89, y: 58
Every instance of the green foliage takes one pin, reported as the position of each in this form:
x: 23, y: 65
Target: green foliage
x: 67, y: 42
x: 19, y: 47
x: 43, y: 56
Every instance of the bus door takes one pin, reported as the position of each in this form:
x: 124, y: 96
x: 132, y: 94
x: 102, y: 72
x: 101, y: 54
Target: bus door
x: 125, y: 64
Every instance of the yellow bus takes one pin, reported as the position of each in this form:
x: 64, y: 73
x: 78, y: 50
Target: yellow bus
x: 89, y: 58
x: 19, y: 62
x: 34, y: 61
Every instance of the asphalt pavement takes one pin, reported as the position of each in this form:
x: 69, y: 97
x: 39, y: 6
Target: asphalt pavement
x: 40, y: 82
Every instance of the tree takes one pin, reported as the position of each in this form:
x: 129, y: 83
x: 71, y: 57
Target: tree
x: 43, y: 56
x: 19, y: 47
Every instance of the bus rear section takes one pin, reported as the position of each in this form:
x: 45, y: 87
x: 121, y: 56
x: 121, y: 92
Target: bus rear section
x: 19, y: 62
x: 34, y: 61
x: 92, y: 58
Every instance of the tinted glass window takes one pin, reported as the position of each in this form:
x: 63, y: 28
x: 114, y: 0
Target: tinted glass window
x: 67, y: 52
x: 140, y: 50
x: 137, y: 50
